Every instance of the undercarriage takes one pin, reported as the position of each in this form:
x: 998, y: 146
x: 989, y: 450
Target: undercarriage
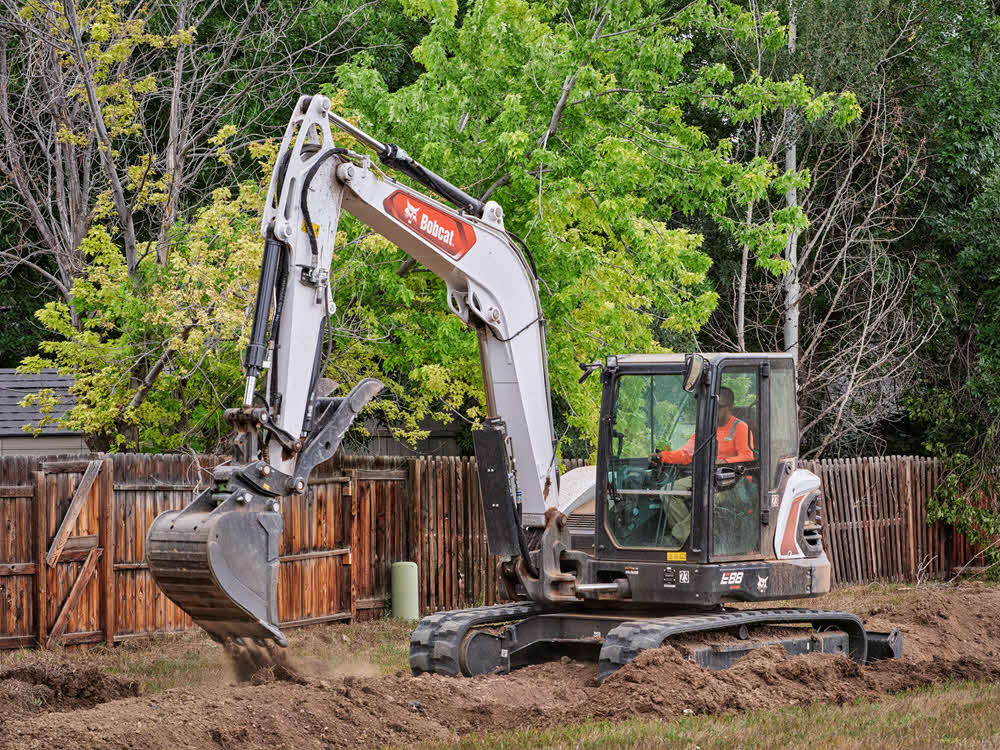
x: 498, y: 639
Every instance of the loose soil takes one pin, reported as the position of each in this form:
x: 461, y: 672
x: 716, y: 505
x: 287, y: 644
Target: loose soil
x: 39, y: 687
x: 950, y: 632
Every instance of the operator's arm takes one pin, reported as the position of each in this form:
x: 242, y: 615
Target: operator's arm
x: 681, y: 455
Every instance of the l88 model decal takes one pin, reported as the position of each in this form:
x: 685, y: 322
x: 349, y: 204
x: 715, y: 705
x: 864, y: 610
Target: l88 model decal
x: 447, y: 234
x: 732, y: 578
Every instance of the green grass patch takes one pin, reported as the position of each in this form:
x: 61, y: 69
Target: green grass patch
x: 956, y: 715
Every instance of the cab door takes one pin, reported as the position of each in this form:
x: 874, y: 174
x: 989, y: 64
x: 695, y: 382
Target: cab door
x: 740, y: 447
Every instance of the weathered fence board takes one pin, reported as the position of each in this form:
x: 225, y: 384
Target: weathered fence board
x: 359, y: 515
x: 875, y: 511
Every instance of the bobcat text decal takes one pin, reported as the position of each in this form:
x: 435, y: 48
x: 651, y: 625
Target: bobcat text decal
x: 447, y: 234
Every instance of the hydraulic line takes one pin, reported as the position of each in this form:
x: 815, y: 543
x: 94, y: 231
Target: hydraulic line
x: 257, y: 348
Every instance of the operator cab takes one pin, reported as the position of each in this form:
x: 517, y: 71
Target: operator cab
x: 691, y: 455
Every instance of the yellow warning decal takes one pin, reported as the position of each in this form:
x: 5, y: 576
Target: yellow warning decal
x: 677, y: 556
x: 306, y: 231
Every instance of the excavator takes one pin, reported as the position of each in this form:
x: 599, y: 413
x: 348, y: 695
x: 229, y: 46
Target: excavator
x: 651, y: 546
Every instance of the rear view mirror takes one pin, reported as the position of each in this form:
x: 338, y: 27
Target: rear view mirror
x: 588, y: 369
x: 694, y: 368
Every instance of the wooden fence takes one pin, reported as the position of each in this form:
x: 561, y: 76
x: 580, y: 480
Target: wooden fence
x: 72, y: 531
x: 875, y: 525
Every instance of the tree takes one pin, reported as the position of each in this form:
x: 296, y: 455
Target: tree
x: 575, y: 118
x: 857, y: 326
x: 118, y: 122
x: 111, y: 111
x: 956, y: 403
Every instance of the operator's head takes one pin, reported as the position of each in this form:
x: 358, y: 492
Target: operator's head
x: 726, y: 400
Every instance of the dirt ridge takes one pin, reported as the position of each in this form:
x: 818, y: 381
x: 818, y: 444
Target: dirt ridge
x: 950, y: 633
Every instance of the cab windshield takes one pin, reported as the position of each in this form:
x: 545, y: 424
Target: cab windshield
x: 649, y: 502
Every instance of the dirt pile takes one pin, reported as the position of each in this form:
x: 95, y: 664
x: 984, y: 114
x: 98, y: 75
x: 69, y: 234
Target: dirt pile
x: 947, y: 621
x: 39, y: 687
x: 950, y: 634
x: 664, y: 683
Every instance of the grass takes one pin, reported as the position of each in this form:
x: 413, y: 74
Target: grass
x: 958, y: 715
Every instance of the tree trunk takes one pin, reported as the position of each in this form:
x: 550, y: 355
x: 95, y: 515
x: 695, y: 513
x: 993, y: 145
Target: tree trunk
x: 175, y: 149
x: 791, y: 280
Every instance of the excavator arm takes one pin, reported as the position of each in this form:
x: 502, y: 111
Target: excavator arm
x: 218, y: 558
x: 491, y: 285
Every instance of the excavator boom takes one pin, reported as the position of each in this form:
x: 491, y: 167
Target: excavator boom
x: 218, y: 558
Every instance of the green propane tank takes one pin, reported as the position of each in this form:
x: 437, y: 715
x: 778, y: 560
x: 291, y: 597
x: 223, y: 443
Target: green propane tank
x: 404, y: 591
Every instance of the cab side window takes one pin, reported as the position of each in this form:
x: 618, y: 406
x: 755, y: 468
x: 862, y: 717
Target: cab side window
x: 784, y: 418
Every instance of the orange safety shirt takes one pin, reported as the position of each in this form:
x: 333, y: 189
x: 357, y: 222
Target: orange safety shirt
x: 734, y: 445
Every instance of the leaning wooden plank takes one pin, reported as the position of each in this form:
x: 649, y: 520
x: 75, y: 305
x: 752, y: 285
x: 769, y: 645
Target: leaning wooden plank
x: 79, y: 497
x: 79, y: 586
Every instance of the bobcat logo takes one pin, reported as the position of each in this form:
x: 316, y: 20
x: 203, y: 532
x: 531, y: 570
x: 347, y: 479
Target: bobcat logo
x: 762, y: 584
x: 410, y: 212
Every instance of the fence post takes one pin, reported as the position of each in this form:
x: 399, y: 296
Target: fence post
x: 106, y: 531
x: 910, y: 520
x: 41, y: 568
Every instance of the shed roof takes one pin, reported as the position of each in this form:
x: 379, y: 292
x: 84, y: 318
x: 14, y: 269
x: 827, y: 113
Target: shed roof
x: 15, y: 386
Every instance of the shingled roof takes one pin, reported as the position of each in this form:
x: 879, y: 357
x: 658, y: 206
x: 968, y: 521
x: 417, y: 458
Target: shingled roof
x: 14, y: 387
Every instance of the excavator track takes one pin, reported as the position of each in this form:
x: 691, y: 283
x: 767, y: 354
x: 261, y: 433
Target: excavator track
x: 436, y: 644
x: 466, y: 643
x: 625, y: 642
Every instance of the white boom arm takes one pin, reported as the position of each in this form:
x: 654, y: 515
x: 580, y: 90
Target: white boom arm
x: 490, y: 287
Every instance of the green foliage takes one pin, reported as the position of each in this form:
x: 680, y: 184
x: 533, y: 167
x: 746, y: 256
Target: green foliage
x: 958, y: 403
x: 578, y: 127
x: 188, y: 317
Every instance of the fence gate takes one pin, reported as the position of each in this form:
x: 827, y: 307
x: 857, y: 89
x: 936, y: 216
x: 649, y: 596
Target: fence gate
x: 74, y: 552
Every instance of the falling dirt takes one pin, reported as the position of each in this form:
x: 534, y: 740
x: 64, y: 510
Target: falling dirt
x: 260, y: 665
x: 951, y: 633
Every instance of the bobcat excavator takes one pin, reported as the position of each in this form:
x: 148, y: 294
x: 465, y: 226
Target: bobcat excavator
x: 641, y: 553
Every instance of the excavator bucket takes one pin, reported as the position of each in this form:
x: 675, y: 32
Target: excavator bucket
x: 218, y: 558
x: 219, y: 563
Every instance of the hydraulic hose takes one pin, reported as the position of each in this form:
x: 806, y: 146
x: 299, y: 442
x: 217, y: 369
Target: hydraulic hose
x: 396, y: 158
x: 256, y: 351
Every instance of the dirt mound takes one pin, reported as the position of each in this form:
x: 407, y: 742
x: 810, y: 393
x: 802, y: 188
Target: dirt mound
x: 951, y: 633
x: 664, y: 683
x: 36, y: 687
x: 941, y: 621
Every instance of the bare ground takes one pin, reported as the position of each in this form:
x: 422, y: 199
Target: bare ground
x: 75, y: 700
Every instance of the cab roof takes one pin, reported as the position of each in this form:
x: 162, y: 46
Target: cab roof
x: 676, y: 358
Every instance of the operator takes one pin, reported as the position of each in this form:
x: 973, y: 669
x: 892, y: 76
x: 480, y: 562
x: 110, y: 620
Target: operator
x: 735, y: 445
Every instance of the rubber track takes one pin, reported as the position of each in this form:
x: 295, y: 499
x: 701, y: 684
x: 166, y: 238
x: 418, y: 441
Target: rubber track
x: 435, y: 644
x: 624, y: 642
